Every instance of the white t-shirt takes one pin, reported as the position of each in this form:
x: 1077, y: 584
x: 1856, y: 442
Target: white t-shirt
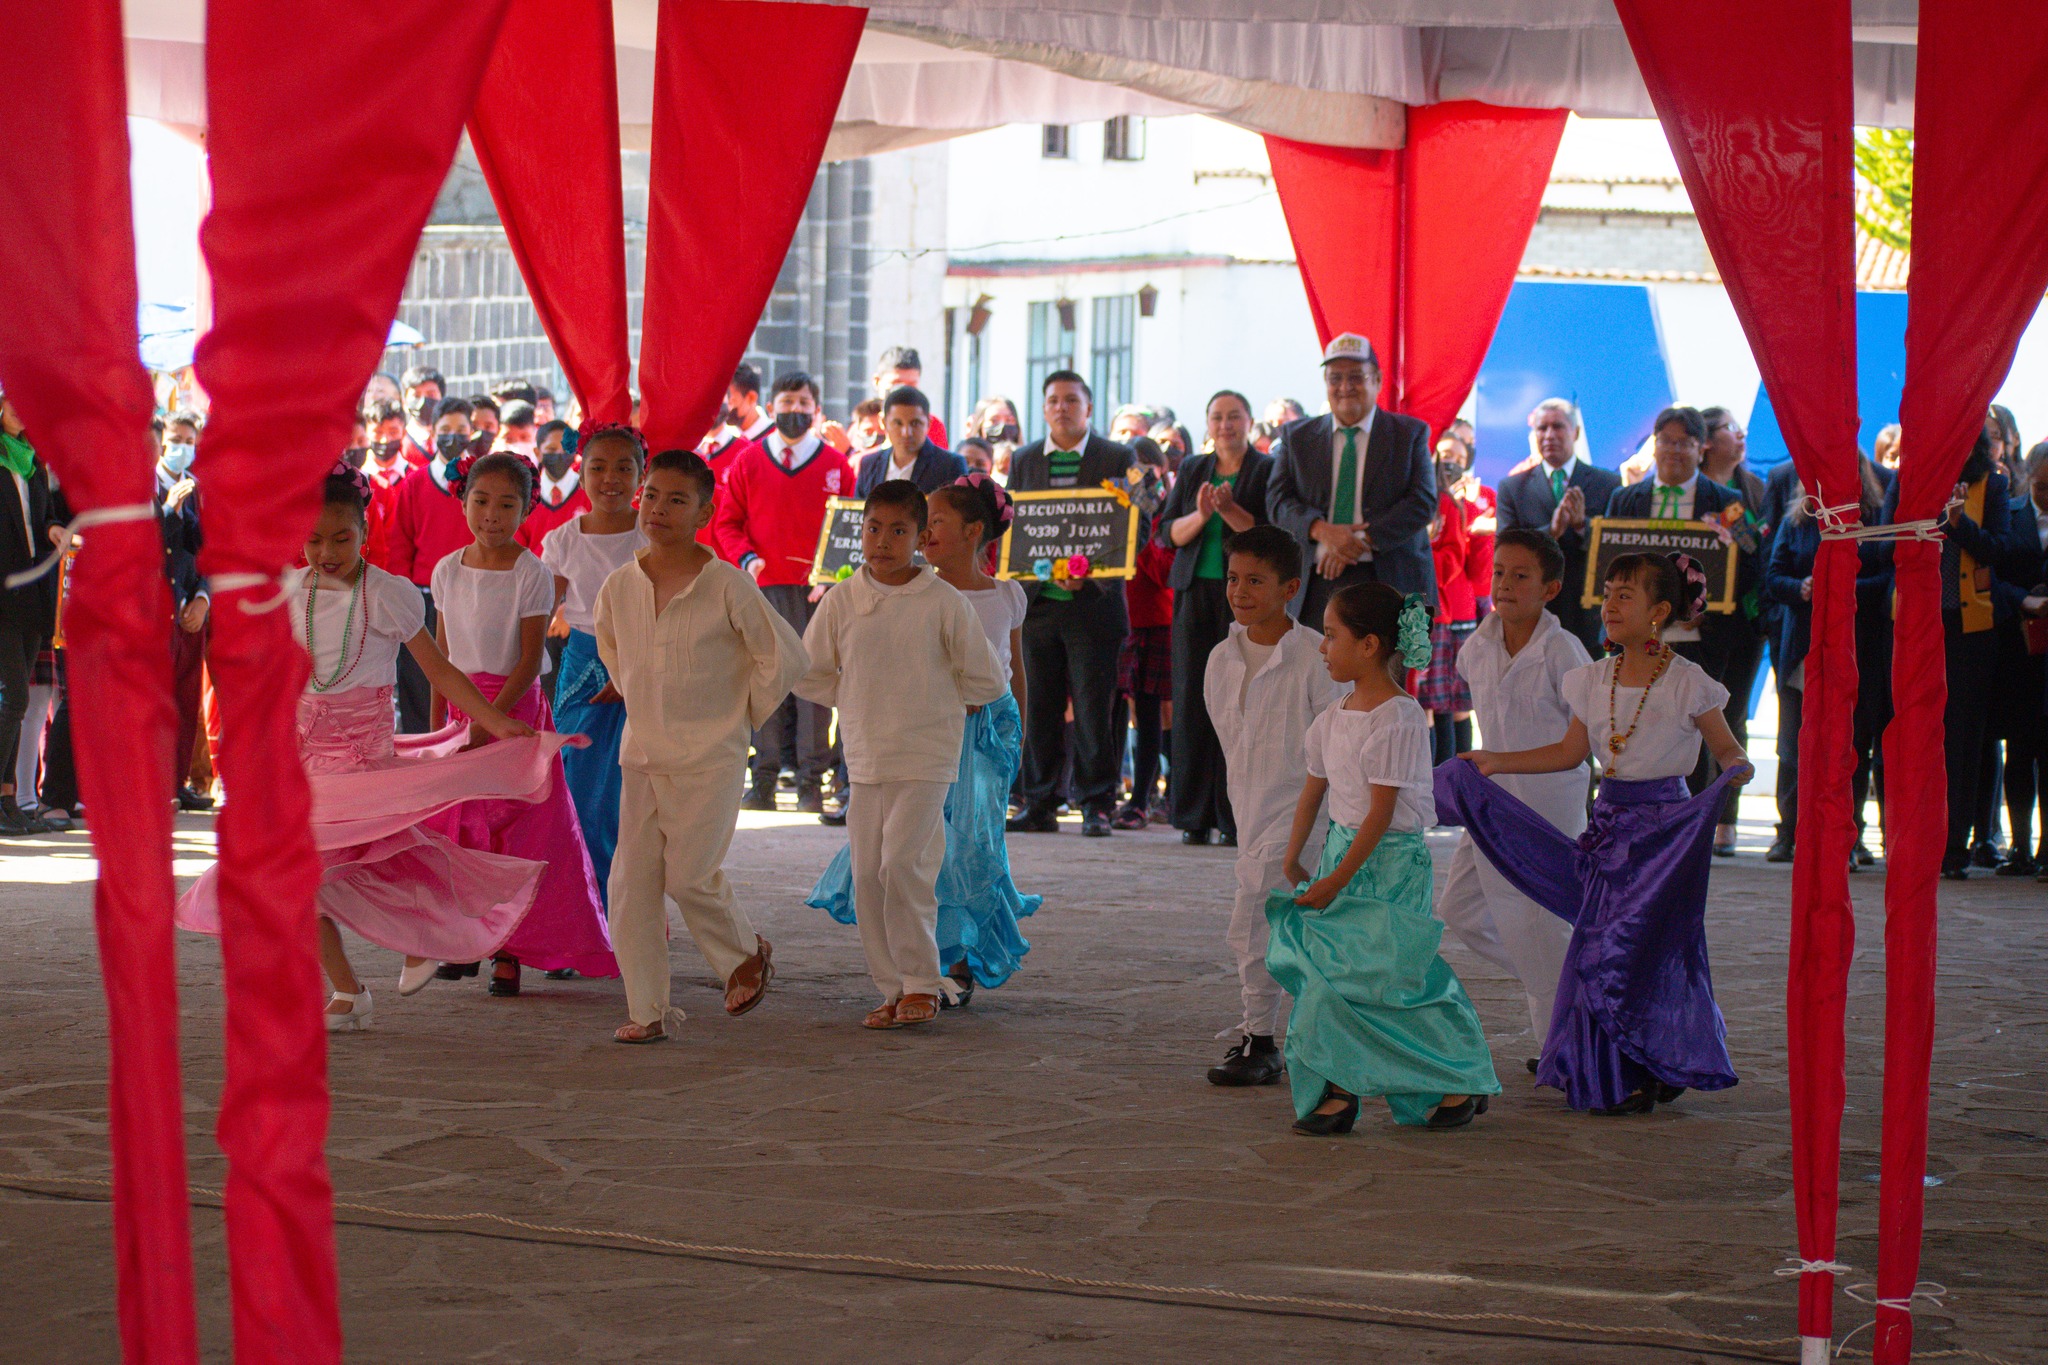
x: 1001, y: 610
x: 1387, y: 746
x: 586, y: 561
x: 1255, y: 656
x: 481, y: 610
x: 1666, y: 742
x: 1519, y: 700
x: 396, y: 613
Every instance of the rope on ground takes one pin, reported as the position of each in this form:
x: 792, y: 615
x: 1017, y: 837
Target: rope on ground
x: 1663, y: 1338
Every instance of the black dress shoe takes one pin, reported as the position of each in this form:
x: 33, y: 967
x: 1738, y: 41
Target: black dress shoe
x: 1252, y: 1060
x: 1454, y: 1115
x: 832, y: 817
x: 810, y: 800
x: 563, y: 974
x: 1532, y: 1064
x: 1984, y: 855
x: 454, y: 971
x: 1032, y: 822
x: 1642, y: 1102
x: 15, y: 820
x: 192, y: 800
x: 1330, y: 1125
x: 758, y: 798
x: 1668, y: 1093
x: 1724, y: 850
x: 507, y: 984
x: 963, y: 997
x: 1095, y: 824
x: 1197, y: 837
x: 1864, y: 857
x: 1225, y: 839
x: 1780, y: 851
x: 2018, y: 865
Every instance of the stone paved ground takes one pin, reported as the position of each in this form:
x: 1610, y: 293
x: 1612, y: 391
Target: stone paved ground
x: 1061, y: 1124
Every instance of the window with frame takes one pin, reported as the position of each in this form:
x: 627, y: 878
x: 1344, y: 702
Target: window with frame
x: 1113, y: 335
x: 1056, y: 142
x: 1051, y: 350
x: 1123, y: 138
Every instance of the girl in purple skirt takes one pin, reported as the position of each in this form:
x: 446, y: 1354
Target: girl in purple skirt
x: 1635, y: 1022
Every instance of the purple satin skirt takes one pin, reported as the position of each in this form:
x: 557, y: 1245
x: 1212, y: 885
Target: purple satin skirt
x: 1635, y: 1002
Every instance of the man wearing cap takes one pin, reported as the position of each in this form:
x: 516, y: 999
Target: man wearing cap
x: 1355, y: 486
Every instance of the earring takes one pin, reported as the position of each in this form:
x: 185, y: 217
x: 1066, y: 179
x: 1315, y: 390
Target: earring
x: 1654, y: 647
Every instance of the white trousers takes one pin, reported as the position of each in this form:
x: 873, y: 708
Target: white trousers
x: 1258, y: 872
x: 898, y: 833
x: 1506, y: 928
x: 674, y: 830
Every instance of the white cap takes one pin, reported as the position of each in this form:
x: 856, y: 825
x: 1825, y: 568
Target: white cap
x: 1349, y: 346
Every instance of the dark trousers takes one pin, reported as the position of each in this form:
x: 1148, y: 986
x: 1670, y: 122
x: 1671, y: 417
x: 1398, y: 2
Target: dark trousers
x: 1972, y: 658
x: 1201, y: 621
x: 1145, y: 717
x: 188, y: 667
x: 1070, y: 652
x: 19, y: 645
x: 1745, y: 657
x: 809, y: 723
x: 1320, y: 590
x: 1791, y: 715
x: 2017, y: 691
x: 415, y: 693
x: 59, y: 789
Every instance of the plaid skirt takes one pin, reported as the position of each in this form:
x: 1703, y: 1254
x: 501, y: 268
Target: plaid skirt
x: 1144, y: 668
x: 1441, y: 689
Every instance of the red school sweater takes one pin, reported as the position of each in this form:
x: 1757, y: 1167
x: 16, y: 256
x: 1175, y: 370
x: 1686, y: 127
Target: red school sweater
x: 426, y: 526
x: 773, y: 513
x: 721, y: 461
x: 543, y: 518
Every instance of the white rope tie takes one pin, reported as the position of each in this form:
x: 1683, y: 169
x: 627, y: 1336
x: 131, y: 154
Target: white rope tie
x: 1923, y: 1289
x: 1811, y: 1268
x: 1845, y: 522
x: 84, y: 521
x: 241, y: 582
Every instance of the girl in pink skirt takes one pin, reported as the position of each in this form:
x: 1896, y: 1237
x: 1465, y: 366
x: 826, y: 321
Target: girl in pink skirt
x: 386, y: 876
x: 495, y: 598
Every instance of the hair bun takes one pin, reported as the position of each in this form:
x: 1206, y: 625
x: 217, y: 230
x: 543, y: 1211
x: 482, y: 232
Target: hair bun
x: 344, y: 470
x: 1693, y: 589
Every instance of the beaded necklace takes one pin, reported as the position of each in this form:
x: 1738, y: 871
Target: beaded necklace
x: 349, y: 632
x: 1617, y: 739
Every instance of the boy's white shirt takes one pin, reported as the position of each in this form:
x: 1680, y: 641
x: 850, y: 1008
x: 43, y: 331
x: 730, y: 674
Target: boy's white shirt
x: 902, y: 665
x: 700, y: 676
x: 1261, y: 728
x: 1519, y: 702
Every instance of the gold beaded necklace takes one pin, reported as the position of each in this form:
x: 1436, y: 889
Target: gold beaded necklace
x: 1617, y: 739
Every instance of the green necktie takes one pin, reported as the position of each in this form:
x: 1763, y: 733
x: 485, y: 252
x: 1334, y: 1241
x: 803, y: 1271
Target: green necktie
x: 1667, y: 503
x: 1556, y: 486
x: 1344, y: 504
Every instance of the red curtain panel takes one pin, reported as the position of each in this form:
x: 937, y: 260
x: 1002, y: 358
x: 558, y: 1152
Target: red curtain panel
x: 731, y: 163
x: 68, y: 361
x: 546, y: 132
x: 322, y: 180
x: 1756, y: 100
x: 1980, y: 267
x: 1418, y: 248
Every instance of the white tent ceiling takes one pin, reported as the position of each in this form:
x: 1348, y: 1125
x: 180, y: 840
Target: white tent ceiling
x: 1334, y: 71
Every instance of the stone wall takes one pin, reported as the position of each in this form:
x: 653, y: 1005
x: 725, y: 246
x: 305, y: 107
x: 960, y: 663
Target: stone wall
x: 1571, y: 240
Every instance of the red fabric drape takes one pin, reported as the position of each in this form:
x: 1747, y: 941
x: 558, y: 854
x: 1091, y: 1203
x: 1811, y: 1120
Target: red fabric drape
x: 546, y: 133
x: 1418, y: 248
x: 731, y: 163
x: 68, y: 360
x: 322, y: 181
x: 1980, y: 267
x: 1756, y: 99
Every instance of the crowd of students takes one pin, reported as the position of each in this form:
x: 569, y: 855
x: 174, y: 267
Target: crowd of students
x: 1322, y: 607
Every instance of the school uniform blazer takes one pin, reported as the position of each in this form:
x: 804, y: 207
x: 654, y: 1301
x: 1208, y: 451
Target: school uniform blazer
x: 1795, y: 546
x: 933, y: 468
x: 33, y: 607
x: 1995, y: 545
x: 1397, y: 497
x: 1720, y: 632
x: 1254, y: 481
x: 1523, y: 503
x: 1102, y: 460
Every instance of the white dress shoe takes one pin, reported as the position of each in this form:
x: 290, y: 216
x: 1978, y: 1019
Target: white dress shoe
x: 414, y: 979
x: 357, y: 1017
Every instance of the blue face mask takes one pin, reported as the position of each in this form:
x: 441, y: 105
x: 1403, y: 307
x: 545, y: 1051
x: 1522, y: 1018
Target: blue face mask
x: 177, y: 457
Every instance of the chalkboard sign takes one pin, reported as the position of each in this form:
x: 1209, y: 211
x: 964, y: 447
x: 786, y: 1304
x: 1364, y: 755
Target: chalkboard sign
x: 1060, y: 524
x: 839, y: 541
x: 1609, y: 538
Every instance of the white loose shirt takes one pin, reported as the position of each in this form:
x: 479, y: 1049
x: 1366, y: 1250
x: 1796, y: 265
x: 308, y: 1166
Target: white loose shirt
x: 396, y: 613
x: 480, y: 610
x: 1262, y: 719
x: 1001, y: 610
x: 1388, y: 746
x: 1666, y: 743
x: 1519, y: 701
x: 586, y: 561
x: 902, y: 664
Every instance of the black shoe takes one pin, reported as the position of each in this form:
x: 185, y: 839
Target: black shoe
x: 454, y: 971
x: 15, y: 820
x: 1532, y: 1064
x: 1330, y: 1125
x: 1225, y: 839
x: 1956, y: 868
x: 834, y: 816
x: 1029, y: 821
x: 1984, y: 855
x: 1642, y: 1102
x: 1780, y: 851
x: 1095, y: 824
x: 504, y: 985
x: 1252, y: 1060
x: 563, y: 974
x: 192, y: 800
x: 810, y: 800
x: 1197, y: 837
x: 964, y: 996
x: 1668, y: 1093
x: 2018, y: 865
x: 758, y: 798
x: 1455, y: 1115
x: 1864, y: 857
x: 1724, y: 850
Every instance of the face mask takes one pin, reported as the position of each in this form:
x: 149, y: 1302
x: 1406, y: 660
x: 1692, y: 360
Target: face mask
x: 420, y: 408
x: 449, y: 445
x: 356, y: 456
x: 384, y: 450
x: 794, y: 426
x: 556, y: 462
x: 177, y: 457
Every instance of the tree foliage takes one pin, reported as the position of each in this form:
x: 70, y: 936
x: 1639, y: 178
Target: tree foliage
x: 1884, y: 185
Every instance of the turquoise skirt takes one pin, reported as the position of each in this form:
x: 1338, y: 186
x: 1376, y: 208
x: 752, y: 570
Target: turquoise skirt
x: 1377, y: 1011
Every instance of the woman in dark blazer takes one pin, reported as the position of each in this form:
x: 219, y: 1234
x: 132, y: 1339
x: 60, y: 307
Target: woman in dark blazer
x: 1219, y: 492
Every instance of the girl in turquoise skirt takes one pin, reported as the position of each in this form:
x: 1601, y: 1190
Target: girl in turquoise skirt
x: 1377, y: 1011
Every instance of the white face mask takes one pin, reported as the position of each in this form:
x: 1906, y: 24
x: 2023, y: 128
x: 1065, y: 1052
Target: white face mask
x: 177, y: 457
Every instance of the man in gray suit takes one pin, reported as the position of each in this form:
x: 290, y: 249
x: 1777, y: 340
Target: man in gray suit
x: 1355, y: 486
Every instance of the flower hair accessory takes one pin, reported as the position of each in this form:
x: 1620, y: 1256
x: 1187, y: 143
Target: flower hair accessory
x: 1414, y: 632
x: 460, y: 473
x: 998, y: 498
x: 344, y: 470
x: 1693, y: 575
x: 591, y: 431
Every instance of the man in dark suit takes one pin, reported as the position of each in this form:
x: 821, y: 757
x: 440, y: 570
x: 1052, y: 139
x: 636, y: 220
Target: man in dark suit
x: 1555, y: 496
x: 177, y: 516
x: 1356, y: 486
x: 910, y: 454
x: 1072, y: 636
x: 27, y: 613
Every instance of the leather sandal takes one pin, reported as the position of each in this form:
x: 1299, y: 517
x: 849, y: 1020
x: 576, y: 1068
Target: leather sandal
x: 641, y: 1033
x: 749, y: 981
x: 882, y: 1016
x: 916, y: 1009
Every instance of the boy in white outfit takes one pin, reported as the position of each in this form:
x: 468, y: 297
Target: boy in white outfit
x: 1263, y: 685
x: 903, y: 656
x: 1515, y: 663
x: 700, y: 660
